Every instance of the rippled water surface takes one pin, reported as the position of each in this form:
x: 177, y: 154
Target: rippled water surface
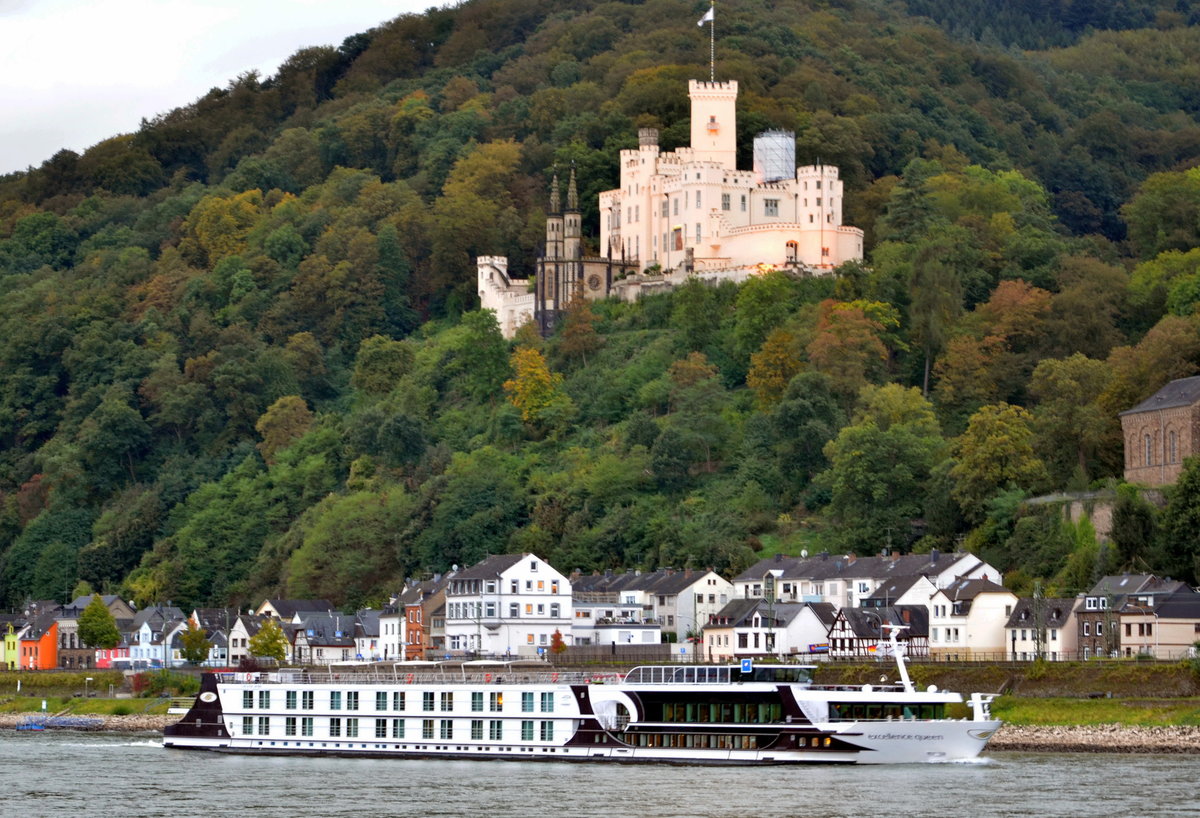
x: 85, y: 775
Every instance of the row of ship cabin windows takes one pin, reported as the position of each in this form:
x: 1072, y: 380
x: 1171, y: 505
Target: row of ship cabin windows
x: 397, y: 700
x: 337, y: 727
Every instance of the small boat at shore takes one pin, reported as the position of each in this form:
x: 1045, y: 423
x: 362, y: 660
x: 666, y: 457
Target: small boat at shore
x: 747, y: 714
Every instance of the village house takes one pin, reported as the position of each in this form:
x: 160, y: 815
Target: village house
x: 967, y: 619
x: 863, y: 633
x: 1097, y: 614
x: 746, y: 628
x: 294, y: 610
x: 606, y: 614
x: 1042, y: 628
x: 507, y: 605
x: 1165, y: 626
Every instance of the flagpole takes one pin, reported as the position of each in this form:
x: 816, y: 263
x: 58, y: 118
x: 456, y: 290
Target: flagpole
x: 712, y: 42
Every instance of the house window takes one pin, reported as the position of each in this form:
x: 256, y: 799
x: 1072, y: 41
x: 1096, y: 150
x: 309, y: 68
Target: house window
x: 770, y: 207
x: 306, y: 726
x: 1087, y: 628
x: 307, y: 698
x: 335, y: 728
x: 526, y: 731
x: 289, y: 700
x: 547, y: 702
x: 397, y: 701
x: 527, y: 702
x: 742, y: 640
x: 514, y: 610
x: 555, y: 610
x: 1099, y: 628
x: 495, y: 702
x: 335, y: 700
x: 477, y: 729
x: 352, y: 700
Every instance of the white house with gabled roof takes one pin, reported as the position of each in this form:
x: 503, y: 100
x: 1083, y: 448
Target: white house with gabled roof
x: 507, y: 605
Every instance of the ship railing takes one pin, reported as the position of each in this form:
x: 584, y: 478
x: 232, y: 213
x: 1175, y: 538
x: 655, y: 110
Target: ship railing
x: 680, y: 674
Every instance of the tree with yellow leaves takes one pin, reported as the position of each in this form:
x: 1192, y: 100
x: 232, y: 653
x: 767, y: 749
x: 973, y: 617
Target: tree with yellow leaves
x: 534, y: 389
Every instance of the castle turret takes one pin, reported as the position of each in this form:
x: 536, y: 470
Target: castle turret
x: 572, y: 223
x: 554, y: 223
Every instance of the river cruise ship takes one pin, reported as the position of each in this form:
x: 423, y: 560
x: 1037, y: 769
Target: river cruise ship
x: 741, y: 714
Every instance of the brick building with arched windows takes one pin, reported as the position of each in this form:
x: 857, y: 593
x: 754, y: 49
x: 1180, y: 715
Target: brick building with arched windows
x: 1161, y: 431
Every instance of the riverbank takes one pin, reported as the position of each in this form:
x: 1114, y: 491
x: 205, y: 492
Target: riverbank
x: 1101, y: 738
x: 1097, y: 738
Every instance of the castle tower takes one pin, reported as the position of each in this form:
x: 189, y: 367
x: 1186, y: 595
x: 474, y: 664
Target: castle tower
x: 714, y: 121
x: 554, y: 223
x: 572, y: 223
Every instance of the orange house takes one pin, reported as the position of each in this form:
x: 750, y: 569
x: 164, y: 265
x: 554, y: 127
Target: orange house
x: 39, y: 646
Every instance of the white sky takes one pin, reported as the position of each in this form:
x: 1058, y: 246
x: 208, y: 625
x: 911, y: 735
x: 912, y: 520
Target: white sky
x: 74, y: 73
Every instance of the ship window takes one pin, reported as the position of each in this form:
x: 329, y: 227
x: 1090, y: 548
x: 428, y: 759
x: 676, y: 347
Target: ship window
x: 381, y: 700
x: 495, y: 702
x: 447, y: 702
x: 427, y: 700
x: 306, y: 726
x: 248, y: 699
x: 352, y: 700
x: 306, y: 699
x: 477, y: 729
x: 527, y: 731
x: 427, y: 728
x: 495, y: 729
x: 397, y: 701
x: 289, y: 726
x: 381, y: 728
x: 335, y: 700
x: 335, y: 727
x: 290, y: 700
x: 248, y: 725
x: 476, y: 700
x: 527, y: 702
x: 397, y: 728
x: 547, y: 702
x: 447, y: 729
x: 547, y: 731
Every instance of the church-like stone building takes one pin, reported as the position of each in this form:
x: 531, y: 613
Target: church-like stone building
x: 681, y: 213
x: 1161, y: 431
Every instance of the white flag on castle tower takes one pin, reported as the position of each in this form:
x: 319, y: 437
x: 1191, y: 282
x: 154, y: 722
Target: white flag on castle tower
x: 707, y: 18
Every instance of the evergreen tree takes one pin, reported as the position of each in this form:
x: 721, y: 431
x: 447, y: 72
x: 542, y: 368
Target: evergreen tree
x: 97, y: 626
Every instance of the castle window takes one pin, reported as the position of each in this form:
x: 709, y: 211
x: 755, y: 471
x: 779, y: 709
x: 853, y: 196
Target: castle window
x: 810, y: 218
x: 818, y: 188
x: 770, y: 207
x: 1174, y: 451
x: 675, y: 206
x: 664, y: 208
x: 829, y: 218
x: 1148, y: 454
x: 793, y: 252
x: 743, y: 202
x: 697, y: 200
x: 824, y: 251
x: 818, y: 201
x: 697, y: 232
x: 724, y: 201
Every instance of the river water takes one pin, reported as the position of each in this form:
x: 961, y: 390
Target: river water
x: 88, y: 774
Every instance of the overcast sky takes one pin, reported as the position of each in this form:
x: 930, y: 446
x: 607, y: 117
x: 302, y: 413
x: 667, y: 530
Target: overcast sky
x: 74, y: 73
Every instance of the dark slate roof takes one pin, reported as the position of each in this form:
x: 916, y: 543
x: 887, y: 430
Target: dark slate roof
x: 894, y: 588
x: 214, y: 619
x: 157, y: 615
x: 1180, y: 392
x: 1119, y: 584
x: 968, y: 589
x: 736, y: 611
x: 1055, y: 613
x: 367, y: 623
x: 866, y: 623
x: 491, y: 567
x: 323, y: 630
x: 835, y: 566
x: 288, y: 608
x: 83, y: 601
x: 1179, y: 606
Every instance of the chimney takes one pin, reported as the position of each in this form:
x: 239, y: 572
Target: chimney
x: 851, y: 559
x: 778, y: 557
x: 895, y: 555
x: 933, y: 556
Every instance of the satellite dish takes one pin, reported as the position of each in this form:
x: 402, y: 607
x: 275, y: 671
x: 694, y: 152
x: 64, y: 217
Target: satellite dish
x: 804, y: 552
x: 932, y: 688
x: 454, y: 567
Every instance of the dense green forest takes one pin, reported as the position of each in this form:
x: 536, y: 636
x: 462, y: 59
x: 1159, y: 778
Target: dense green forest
x: 242, y: 353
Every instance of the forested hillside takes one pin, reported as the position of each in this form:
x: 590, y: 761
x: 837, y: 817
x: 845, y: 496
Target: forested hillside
x: 242, y: 354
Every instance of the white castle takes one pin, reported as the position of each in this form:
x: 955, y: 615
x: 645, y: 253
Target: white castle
x: 689, y: 212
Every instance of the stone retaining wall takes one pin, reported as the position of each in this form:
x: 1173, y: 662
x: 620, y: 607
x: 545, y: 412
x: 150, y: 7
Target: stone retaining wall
x: 1101, y: 738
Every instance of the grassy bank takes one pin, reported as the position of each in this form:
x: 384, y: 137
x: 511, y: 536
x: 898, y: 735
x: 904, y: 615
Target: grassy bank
x: 84, y: 707
x: 1128, y: 712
